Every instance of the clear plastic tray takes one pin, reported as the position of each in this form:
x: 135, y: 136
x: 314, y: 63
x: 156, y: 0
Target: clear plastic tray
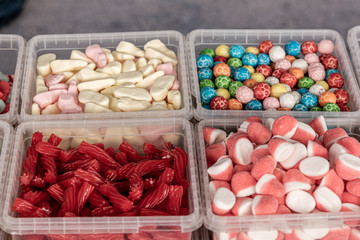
x: 353, y: 39
x: 12, y: 51
x: 220, y: 224
x: 200, y: 39
x: 178, y: 130
x: 63, y: 44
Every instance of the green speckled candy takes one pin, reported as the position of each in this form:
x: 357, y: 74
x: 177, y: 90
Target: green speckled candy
x: 222, y: 81
x: 306, y: 82
x: 234, y: 86
x: 208, y: 51
x: 234, y: 62
x: 3, y: 77
x: 331, y: 107
x: 206, y: 83
x: 316, y: 109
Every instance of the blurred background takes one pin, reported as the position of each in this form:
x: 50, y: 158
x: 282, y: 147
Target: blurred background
x: 85, y: 16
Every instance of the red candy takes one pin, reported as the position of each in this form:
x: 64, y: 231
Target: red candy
x: 342, y: 96
x: 220, y: 59
x: 308, y: 47
x: 258, y: 133
x: 330, y: 62
x: 261, y: 91
x: 278, y: 72
x: 264, y: 70
x: 344, y: 108
x: 335, y: 80
x: 265, y: 46
x: 289, y: 79
x: 218, y: 103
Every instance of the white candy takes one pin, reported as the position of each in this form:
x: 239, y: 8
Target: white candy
x: 154, y: 62
x: 271, y: 80
x: 276, y: 53
x: 40, y: 85
x: 147, y: 70
x: 127, y: 104
x: 174, y: 97
x: 317, y: 89
x: 161, y: 86
x: 95, y: 97
x: 109, y: 56
x: 128, y: 66
x: 58, y: 66
x: 288, y: 88
x: 141, y: 62
x: 91, y: 66
x: 149, y: 80
x: 122, y: 56
x: 264, y: 235
x: 43, y: 64
x: 269, y: 123
x: 300, y: 201
x: 170, y: 107
x: 110, y: 90
x: 91, y: 107
x: 300, y: 63
x: 113, y: 103
x: 96, y: 85
x: 86, y: 74
x: 328, y: 200
x: 129, y: 48
x: 287, y: 100
x: 67, y: 75
x: 161, y: 103
x: 314, y: 167
x: 78, y: 55
x: 111, y: 69
x: 316, y: 233
x: 156, y: 108
x: 51, y: 109
x: 297, y: 96
x: 134, y: 93
x: 35, y: 109
x: 133, y: 77
x: 156, y: 49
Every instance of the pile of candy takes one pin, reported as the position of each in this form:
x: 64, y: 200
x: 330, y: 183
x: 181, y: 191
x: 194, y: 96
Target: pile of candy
x: 93, y: 181
x: 128, y: 79
x: 271, y: 78
x: 283, y: 167
x: 6, y: 82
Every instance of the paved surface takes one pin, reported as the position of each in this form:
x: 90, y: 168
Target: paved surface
x: 84, y: 16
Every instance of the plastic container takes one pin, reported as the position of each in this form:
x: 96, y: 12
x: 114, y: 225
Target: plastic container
x: 284, y: 222
x: 63, y: 44
x: 178, y: 130
x: 200, y: 39
x: 353, y: 39
x: 12, y: 51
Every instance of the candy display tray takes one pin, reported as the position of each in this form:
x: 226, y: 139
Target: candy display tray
x: 221, y: 224
x: 63, y: 44
x: 177, y: 129
x: 353, y: 40
x: 199, y: 39
x: 12, y: 51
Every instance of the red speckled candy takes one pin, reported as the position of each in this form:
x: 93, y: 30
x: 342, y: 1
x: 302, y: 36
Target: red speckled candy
x: 264, y: 70
x: 308, y: 47
x: 330, y: 62
x: 335, y: 80
x: 289, y: 79
x: 342, y: 96
x: 219, y: 103
x: 278, y: 73
x: 265, y: 46
x: 261, y: 91
x: 220, y: 59
x: 322, y: 57
x: 344, y: 108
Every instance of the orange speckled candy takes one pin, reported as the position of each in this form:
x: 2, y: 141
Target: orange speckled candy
x: 327, y: 97
x: 284, y: 109
x: 290, y: 58
x: 234, y: 104
x: 250, y: 83
x: 297, y: 72
x: 221, y: 69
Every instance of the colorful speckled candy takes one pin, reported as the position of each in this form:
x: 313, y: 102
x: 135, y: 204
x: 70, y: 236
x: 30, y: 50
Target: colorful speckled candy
x: 205, y: 73
x: 233, y: 87
x: 302, y: 91
x: 293, y: 48
x: 342, y: 96
x: 234, y: 104
x: 250, y: 69
x: 330, y: 71
x: 305, y: 82
x: 300, y: 107
x: 250, y: 59
x: 335, y: 80
x: 254, y: 105
x: 261, y: 91
x: 308, y: 47
x: 263, y: 58
x: 264, y: 70
x: 326, y: 97
x: 250, y: 83
x: 234, y: 62
x: 223, y: 51
x: 324, y: 84
x: 222, y: 81
x: 208, y: 51
x: 223, y: 93
x: 278, y: 89
x: 244, y: 94
x: 331, y: 107
x: 309, y: 100
x: 220, y: 59
x: 221, y: 69
x: 241, y: 74
x: 253, y: 50
x: 218, y: 103
x: 265, y: 46
x: 206, y: 83
x: 289, y: 79
x: 232, y: 71
x: 258, y: 77
x: 206, y: 94
x: 236, y: 51
x: 316, y: 109
x: 330, y: 62
x: 204, y: 61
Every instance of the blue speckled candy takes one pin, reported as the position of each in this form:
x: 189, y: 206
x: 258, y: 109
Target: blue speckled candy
x: 236, y: 51
x: 204, y: 61
x: 309, y: 100
x: 250, y: 59
x: 232, y: 71
x: 216, y: 63
x: 205, y: 73
x: 254, y: 105
x: 241, y: 74
x: 263, y: 59
x: 302, y: 91
x: 293, y: 48
x: 300, y: 107
x: 207, y: 93
x: 330, y: 71
x: 206, y: 106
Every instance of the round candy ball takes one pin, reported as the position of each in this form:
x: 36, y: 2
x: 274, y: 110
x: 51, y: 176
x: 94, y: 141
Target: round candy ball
x: 302, y: 91
x: 330, y: 62
x: 258, y: 77
x: 218, y: 103
x: 284, y: 64
x: 309, y: 100
x: 263, y: 58
x: 333, y: 89
x: 276, y: 53
x: 311, y: 58
x: 308, y: 47
x: 254, y: 105
x: 250, y: 69
x: 244, y: 94
x: 222, y: 50
x: 305, y: 82
x: 278, y: 72
x: 265, y: 46
x: 317, y: 89
x: 297, y: 96
x: 271, y: 80
x: 300, y: 107
x: 290, y: 58
x: 271, y: 103
x: 222, y: 92
x: 300, y: 63
x: 316, y: 109
x: 288, y: 88
x: 232, y: 71
x: 233, y: 87
x: 206, y: 94
x: 241, y: 74
x: 250, y: 83
x: 342, y: 96
x: 287, y: 100
x: 221, y: 69
x: 298, y: 73
x: 250, y: 59
x: 322, y: 57
x: 293, y: 48
x: 205, y: 73
x: 330, y: 71
x: 253, y: 50
x: 206, y: 83
x: 204, y: 61
x: 284, y: 109
x: 234, y: 62
x: 264, y: 70
x: 234, y: 104
x: 289, y: 79
x: 331, y: 107
x: 261, y: 91
x: 326, y: 47
x: 208, y: 51
x: 220, y: 59
x: 236, y: 51
x: 222, y: 81
x: 324, y: 84
x: 326, y: 97
x: 317, y: 74
x: 344, y: 108
x: 278, y: 89
x: 206, y: 106
x: 335, y: 80
x: 315, y: 65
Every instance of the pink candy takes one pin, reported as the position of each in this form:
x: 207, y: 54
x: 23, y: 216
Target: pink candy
x: 46, y: 98
x: 95, y: 53
x: 244, y: 94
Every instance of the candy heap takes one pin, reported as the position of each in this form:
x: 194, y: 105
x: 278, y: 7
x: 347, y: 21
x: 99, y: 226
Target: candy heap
x: 268, y: 77
x: 6, y: 82
x: 93, y: 181
x: 282, y: 166
x: 101, y: 81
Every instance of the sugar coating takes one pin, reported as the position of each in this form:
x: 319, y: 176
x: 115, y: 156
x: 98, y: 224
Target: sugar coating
x: 276, y: 53
x: 271, y: 103
x: 300, y: 63
x: 317, y: 89
x: 317, y: 74
x: 287, y: 100
x: 244, y: 94
x: 297, y: 96
x: 272, y: 80
x: 326, y: 46
x: 311, y: 58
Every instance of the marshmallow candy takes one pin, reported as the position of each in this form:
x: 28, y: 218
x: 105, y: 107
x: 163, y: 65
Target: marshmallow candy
x: 295, y: 180
x: 300, y: 201
x: 40, y: 85
x: 155, y: 49
x: 91, y: 107
x: 161, y: 86
x: 258, y: 133
x: 215, y: 185
x: 174, y: 97
x: 240, y: 151
x: 95, y: 53
x: 269, y: 185
x: 213, y: 135
x: 96, y: 85
x: 224, y: 201
x: 129, y: 104
x: 243, y: 184
x: 266, y: 235
x: 78, y: 55
x: 95, y: 97
x: 265, y: 165
x: 68, y: 105
x: 285, y: 126
x: 351, y: 144
x: 280, y: 149
x: 319, y: 125
x: 333, y: 182
x: 332, y: 135
x: 304, y: 133
x: 87, y: 74
x: 46, y: 98
x: 58, y: 66
x: 129, y: 48
x: 149, y: 80
x: 245, y: 124
x: 134, y: 93
x: 242, y: 207
x: 264, y: 205
x: 316, y: 149
x: 259, y: 152
x: 133, y: 77
x: 326, y: 200
x: 221, y: 170
x: 113, y: 68
x: 314, y: 167
x: 43, y: 64
x: 214, y: 152
x: 347, y: 166
x: 128, y: 66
